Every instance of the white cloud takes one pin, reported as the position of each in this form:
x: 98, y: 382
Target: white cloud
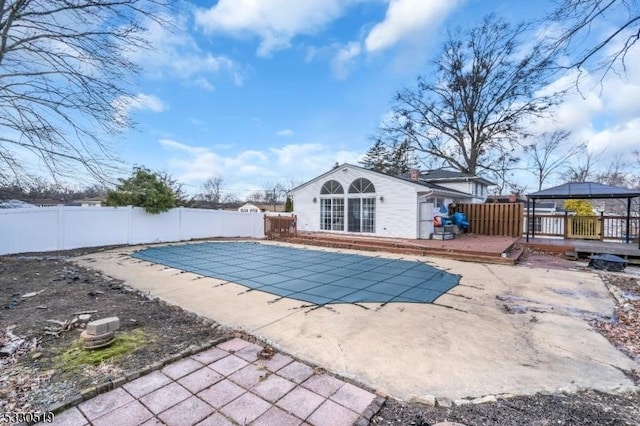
x: 288, y: 154
x: 343, y: 60
x: 176, y: 54
x: 310, y: 159
x: 275, y: 22
x: 601, y: 112
x: 620, y: 139
x: 126, y: 105
x: 204, y: 84
x: 249, y: 170
x: 178, y: 146
x: 406, y: 19
x: 285, y: 132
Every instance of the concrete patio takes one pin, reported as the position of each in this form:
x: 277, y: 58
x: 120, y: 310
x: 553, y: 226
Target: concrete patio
x: 503, y: 330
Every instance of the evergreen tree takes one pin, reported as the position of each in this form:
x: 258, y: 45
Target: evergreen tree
x: 401, y: 159
x: 145, y: 189
x: 376, y: 157
x: 394, y: 160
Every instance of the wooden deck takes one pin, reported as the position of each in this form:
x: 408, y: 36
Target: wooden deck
x: 585, y: 248
x: 466, y: 247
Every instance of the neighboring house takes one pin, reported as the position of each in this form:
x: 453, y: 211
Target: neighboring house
x: 85, y: 203
x: 14, y: 204
x: 477, y: 186
x: 542, y: 207
x: 545, y: 207
x: 249, y: 208
x: 351, y: 199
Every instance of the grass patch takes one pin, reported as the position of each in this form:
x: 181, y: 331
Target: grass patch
x: 124, y: 343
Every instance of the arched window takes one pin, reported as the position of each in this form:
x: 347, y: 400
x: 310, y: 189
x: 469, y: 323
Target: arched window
x: 331, y: 187
x: 360, y: 186
x: 362, y: 206
x: 332, y: 206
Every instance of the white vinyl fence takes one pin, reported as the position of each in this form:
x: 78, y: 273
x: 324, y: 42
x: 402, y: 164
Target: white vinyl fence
x: 62, y: 228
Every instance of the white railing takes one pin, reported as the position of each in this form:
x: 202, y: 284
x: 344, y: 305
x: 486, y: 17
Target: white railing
x: 63, y: 228
x: 613, y: 227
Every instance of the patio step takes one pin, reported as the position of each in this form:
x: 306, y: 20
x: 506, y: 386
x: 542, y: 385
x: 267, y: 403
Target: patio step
x: 414, y: 248
x: 405, y: 248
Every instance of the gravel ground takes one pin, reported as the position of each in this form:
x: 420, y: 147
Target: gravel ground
x: 584, y: 408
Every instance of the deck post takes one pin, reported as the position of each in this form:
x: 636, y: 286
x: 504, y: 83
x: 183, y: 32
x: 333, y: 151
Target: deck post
x: 533, y: 226
x: 628, y: 218
x: 602, y: 226
x: 527, y: 220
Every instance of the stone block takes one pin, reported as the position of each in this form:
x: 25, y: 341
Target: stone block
x: 485, y: 399
x: 428, y: 400
x: 102, y: 326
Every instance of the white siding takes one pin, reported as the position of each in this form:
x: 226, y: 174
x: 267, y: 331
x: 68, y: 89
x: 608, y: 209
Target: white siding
x: 467, y: 187
x: 396, y: 215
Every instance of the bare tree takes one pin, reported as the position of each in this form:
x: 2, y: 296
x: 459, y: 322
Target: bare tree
x: 581, y: 167
x: 181, y: 196
x: 65, y: 74
x: 549, y: 153
x: 636, y: 167
x: 230, y: 199
x: 256, y: 197
x: 579, y: 18
x: 212, y: 190
x: 502, y: 173
x: 471, y: 110
x: 274, y: 193
x: 39, y: 189
x: 618, y: 173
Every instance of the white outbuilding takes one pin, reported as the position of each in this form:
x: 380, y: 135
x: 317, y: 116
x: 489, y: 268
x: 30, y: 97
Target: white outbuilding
x: 249, y: 208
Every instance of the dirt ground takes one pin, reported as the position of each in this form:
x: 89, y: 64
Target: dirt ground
x: 37, y: 288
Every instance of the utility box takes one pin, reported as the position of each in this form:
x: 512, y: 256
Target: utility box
x: 446, y: 229
x: 442, y: 236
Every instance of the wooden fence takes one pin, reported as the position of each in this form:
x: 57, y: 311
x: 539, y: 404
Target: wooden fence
x: 277, y: 227
x: 501, y: 219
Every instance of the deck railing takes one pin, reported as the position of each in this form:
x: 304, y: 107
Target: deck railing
x: 277, y: 227
x: 597, y: 227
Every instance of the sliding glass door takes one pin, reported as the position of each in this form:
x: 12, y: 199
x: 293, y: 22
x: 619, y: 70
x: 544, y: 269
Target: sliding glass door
x: 362, y: 215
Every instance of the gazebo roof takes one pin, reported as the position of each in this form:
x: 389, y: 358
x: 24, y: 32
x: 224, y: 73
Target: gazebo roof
x: 584, y: 190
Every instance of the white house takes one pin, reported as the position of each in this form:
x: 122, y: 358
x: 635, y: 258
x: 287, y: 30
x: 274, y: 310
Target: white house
x: 351, y: 199
x: 477, y: 186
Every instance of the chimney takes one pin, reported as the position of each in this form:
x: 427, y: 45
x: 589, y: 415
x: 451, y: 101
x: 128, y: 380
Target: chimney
x: 512, y: 198
x: 414, y: 174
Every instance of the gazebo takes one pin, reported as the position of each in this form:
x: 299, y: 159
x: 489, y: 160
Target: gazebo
x: 585, y: 191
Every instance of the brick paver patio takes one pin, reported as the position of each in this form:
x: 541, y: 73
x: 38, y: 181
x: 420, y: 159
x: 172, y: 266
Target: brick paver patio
x: 227, y: 385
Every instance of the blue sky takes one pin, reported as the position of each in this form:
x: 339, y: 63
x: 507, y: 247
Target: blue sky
x: 278, y: 91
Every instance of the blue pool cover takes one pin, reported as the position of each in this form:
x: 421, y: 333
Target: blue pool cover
x: 317, y: 277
